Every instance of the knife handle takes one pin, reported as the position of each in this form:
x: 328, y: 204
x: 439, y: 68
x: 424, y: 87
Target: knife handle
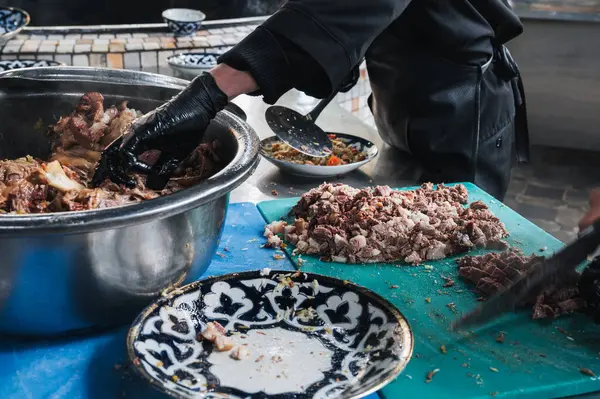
x: 591, y: 237
x: 589, y: 286
x: 594, y: 228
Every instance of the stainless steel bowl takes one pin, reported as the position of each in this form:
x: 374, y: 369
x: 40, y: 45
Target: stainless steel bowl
x: 80, y: 270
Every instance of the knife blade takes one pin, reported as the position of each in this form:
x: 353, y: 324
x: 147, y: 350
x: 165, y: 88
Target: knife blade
x: 544, y: 272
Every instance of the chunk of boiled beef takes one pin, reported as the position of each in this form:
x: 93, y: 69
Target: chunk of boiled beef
x: 271, y: 233
x: 27, y: 197
x: 20, y: 189
x: 13, y: 171
x: 494, y: 272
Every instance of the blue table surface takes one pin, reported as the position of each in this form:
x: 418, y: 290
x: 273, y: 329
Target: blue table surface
x: 95, y: 366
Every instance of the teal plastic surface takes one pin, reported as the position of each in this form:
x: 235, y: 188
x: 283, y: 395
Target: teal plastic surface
x: 536, y: 360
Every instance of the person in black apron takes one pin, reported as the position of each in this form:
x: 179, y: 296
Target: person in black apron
x: 444, y: 86
x: 589, y: 282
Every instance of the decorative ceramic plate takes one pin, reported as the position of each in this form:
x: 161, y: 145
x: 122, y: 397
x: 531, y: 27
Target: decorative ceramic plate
x: 317, y: 171
x: 306, y: 336
x: 9, y: 65
x: 183, y: 21
x: 194, y: 63
x: 12, y: 20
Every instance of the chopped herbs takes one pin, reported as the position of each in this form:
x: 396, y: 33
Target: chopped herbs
x: 452, y: 307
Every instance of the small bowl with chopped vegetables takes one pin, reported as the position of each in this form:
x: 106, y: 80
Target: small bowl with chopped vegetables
x: 349, y: 153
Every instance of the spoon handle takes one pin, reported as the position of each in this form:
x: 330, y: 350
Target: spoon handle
x: 345, y: 86
x: 314, y: 114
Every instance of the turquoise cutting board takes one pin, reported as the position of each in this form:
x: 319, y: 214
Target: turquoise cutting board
x: 536, y: 360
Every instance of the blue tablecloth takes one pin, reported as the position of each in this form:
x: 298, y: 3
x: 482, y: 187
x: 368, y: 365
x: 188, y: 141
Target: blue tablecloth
x: 96, y: 367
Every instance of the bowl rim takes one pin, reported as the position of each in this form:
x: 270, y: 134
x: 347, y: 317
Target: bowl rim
x: 200, y: 15
x: 243, y: 164
x: 374, y: 151
x: 169, y: 296
x: 171, y: 58
x: 22, y: 11
x: 53, y: 62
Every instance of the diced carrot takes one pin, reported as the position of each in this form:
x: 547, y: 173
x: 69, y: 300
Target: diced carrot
x: 334, y: 161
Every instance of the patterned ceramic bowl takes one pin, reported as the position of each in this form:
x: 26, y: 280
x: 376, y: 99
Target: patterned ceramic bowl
x: 9, y: 65
x: 193, y: 63
x: 304, y: 336
x: 12, y: 20
x: 183, y: 21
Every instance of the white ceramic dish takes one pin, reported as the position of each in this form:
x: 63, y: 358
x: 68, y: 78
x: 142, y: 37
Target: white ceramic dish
x: 308, y: 337
x: 315, y: 171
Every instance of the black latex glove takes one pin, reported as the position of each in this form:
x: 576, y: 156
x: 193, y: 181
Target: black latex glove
x: 175, y: 129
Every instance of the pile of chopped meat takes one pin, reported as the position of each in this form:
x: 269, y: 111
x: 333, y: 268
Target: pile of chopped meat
x: 62, y: 183
x: 493, y: 272
x: 345, y: 224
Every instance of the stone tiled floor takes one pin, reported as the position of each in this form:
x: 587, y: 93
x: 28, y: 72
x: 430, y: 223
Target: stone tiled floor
x: 553, y: 190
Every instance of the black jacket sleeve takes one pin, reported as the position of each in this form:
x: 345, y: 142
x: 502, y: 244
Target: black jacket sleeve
x: 277, y: 65
x: 311, y: 44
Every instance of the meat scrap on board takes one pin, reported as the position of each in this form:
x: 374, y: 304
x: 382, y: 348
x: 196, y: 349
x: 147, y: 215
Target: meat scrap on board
x: 495, y: 271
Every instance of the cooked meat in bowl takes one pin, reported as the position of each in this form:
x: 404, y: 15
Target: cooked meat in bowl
x: 62, y: 182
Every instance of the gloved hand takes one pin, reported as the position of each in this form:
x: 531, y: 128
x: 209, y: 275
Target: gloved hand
x: 175, y: 129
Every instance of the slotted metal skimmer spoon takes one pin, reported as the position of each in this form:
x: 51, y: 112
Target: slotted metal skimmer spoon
x: 300, y: 131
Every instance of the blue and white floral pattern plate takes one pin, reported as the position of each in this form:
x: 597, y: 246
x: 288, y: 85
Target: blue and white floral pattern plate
x: 12, y: 20
x: 307, y: 336
x: 9, y: 65
x: 194, y: 63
